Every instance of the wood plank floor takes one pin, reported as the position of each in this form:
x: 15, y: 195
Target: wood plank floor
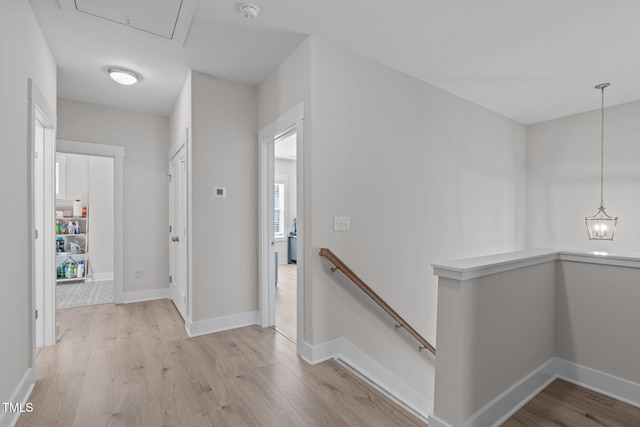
x: 286, y: 299
x: 566, y: 404
x: 133, y: 365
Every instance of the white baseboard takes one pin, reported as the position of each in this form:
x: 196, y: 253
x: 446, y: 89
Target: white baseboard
x: 148, y: 295
x: 369, y: 370
x: 314, y: 354
x: 617, y: 388
x: 20, y: 395
x: 99, y: 277
x: 509, y: 402
x: 514, y: 398
x: 223, y: 323
x: 382, y: 379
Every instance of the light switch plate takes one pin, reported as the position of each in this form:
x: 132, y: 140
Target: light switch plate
x: 341, y: 223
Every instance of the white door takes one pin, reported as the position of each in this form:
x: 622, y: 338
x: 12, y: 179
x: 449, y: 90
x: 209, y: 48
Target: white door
x: 178, y: 230
x: 39, y: 250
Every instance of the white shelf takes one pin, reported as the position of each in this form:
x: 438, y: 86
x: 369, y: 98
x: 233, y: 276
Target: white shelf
x: 71, y: 279
x: 71, y: 235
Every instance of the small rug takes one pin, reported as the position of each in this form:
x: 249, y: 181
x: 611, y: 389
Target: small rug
x: 80, y: 294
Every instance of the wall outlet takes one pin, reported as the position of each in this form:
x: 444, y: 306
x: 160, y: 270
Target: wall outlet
x: 341, y: 223
x: 219, y: 192
x: 138, y: 273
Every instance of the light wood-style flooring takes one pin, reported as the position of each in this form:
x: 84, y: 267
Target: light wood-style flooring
x: 286, y: 297
x: 133, y: 365
x: 566, y: 404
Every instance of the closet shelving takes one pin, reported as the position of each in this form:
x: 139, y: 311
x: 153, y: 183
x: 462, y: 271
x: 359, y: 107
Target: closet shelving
x: 70, y: 240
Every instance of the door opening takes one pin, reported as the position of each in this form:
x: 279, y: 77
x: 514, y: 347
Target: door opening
x: 276, y: 225
x: 285, y: 234
x: 84, y: 273
x: 42, y: 144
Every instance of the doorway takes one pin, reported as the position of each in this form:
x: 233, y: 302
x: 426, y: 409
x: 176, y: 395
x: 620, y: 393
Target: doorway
x: 84, y: 187
x: 41, y: 131
x: 285, y: 233
x: 274, y: 226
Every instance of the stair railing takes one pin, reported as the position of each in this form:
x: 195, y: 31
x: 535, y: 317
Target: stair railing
x: 400, y: 322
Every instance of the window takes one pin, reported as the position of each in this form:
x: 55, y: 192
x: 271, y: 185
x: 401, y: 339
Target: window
x: 279, y: 210
x: 61, y: 174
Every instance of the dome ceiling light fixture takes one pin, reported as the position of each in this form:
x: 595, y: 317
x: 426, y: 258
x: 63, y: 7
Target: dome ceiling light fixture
x: 249, y: 10
x: 601, y: 226
x: 123, y: 76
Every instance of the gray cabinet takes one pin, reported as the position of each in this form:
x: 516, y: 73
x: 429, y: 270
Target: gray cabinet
x: 292, y: 249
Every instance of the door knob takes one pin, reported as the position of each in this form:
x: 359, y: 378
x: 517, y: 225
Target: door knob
x: 175, y: 239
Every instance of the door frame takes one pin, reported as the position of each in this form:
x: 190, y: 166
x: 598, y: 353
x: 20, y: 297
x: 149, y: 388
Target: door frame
x: 173, y: 151
x: 40, y: 111
x: 293, y: 119
x: 117, y: 153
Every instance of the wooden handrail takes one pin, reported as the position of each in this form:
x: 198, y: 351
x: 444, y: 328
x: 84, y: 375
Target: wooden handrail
x: 339, y: 265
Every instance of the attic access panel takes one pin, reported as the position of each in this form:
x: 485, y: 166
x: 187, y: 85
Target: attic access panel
x: 169, y: 19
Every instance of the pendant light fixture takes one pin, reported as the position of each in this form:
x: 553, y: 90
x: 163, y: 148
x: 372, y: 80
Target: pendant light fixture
x: 601, y: 226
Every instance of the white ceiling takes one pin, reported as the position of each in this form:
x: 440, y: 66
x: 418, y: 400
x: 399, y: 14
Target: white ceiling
x: 530, y: 60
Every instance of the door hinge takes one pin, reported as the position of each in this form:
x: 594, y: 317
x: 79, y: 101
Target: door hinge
x: 169, y: 175
x: 170, y: 228
x: 36, y: 234
x: 170, y: 279
x: 36, y: 314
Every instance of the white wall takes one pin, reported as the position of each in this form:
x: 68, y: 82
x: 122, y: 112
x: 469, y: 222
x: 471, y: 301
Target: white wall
x: 423, y: 176
x: 25, y: 54
x: 597, y: 318
x: 76, y: 179
x: 225, y: 230
x: 101, y: 217
x: 563, y: 183
x: 145, y: 138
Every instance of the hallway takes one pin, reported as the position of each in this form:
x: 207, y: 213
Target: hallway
x: 133, y: 365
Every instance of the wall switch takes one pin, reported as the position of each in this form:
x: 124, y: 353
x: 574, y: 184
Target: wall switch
x: 138, y: 273
x: 341, y: 223
x: 219, y: 192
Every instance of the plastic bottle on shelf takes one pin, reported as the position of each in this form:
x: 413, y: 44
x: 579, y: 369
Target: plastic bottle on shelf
x: 69, y: 273
x: 77, y: 230
x: 62, y: 270
x: 84, y: 211
x: 80, y: 269
x: 57, y: 227
x: 63, y: 229
x: 70, y: 228
x: 59, y: 244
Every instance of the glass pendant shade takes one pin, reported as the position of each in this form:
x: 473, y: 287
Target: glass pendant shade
x: 601, y: 226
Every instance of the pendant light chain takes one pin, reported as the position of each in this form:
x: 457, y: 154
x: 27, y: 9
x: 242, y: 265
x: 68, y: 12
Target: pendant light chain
x: 602, y: 152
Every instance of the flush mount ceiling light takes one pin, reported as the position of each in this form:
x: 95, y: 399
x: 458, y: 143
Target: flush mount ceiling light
x: 123, y: 76
x: 249, y: 10
x: 601, y: 226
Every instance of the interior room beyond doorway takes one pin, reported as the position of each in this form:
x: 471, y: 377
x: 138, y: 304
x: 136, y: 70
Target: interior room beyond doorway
x: 285, y: 234
x: 84, y: 230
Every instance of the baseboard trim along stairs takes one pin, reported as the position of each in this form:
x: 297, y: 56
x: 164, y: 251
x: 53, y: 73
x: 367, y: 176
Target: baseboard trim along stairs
x: 359, y: 362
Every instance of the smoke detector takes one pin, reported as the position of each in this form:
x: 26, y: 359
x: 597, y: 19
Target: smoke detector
x: 249, y: 10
